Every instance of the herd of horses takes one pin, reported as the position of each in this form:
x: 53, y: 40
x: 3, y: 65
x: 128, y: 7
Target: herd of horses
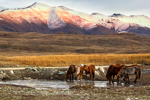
x: 118, y: 70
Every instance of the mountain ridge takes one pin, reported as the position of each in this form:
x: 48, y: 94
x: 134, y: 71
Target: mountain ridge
x: 42, y: 18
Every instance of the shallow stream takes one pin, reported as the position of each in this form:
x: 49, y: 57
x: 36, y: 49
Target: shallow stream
x: 46, y: 84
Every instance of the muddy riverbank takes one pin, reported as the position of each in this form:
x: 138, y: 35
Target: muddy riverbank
x: 51, y: 73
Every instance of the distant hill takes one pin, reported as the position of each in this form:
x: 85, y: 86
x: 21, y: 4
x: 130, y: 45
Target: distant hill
x: 51, y: 20
x: 16, y: 42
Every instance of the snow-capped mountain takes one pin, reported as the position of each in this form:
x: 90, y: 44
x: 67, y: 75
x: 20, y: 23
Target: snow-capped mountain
x: 46, y: 19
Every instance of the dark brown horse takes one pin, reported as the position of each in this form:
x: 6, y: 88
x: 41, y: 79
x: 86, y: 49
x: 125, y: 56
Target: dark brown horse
x: 112, y: 71
x: 70, y: 72
x: 79, y: 72
x: 89, y: 69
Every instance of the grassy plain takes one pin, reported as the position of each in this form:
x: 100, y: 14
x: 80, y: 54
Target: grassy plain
x: 65, y: 49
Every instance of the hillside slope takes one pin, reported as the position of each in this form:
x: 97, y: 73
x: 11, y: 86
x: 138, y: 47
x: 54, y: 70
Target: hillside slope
x: 32, y: 42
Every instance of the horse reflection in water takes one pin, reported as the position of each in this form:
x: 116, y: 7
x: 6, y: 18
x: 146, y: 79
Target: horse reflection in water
x: 80, y: 83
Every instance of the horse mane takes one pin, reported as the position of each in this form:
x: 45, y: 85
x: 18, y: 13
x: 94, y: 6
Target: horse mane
x: 120, y: 70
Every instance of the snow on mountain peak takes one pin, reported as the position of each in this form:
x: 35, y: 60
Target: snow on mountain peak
x: 65, y: 8
x: 39, y: 6
x: 54, y: 21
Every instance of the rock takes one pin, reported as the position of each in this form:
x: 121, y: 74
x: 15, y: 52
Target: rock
x: 11, y: 72
x: 43, y: 70
x: 38, y: 68
x: 27, y: 78
x: 3, y: 75
x: 34, y: 69
x: 97, y: 73
x: 1, y: 72
x: 61, y: 72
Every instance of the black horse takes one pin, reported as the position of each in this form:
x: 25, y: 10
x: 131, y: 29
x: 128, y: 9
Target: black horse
x: 126, y: 71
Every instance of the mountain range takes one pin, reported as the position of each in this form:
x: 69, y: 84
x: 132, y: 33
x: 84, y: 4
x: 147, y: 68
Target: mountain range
x: 50, y: 20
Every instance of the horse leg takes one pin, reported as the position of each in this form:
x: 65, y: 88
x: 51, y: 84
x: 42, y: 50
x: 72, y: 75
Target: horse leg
x: 135, y: 79
x: 113, y: 79
x: 81, y: 77
x: 109, y: 79
x: 128, y: 79
x: 86, y: 76
x: 125, y: 79
x: 93, y: 76
x: 77, y: 77
x: 72, y: 77
x: 117, y: 79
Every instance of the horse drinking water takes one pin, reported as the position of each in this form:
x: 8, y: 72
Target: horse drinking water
x: 70, y: 72
x: 89, y: 69
x: 126, y: 71
x: 112, y: 71
x: 79, y: 72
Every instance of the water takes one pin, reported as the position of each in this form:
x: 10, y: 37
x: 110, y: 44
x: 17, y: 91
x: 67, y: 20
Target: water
x: 46, y: 84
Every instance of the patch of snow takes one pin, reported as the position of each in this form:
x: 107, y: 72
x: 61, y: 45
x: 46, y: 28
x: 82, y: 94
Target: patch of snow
x: 1, y: 19
x: 54, y: 21
x: 39, y: 6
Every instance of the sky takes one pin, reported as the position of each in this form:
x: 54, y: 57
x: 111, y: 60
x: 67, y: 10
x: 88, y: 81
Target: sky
x: 106, y: 7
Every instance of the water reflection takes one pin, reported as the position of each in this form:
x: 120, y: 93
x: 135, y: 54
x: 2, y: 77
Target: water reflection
x: 46, y: 84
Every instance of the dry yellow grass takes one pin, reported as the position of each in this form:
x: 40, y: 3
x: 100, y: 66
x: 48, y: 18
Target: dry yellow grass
x: 66, y: 60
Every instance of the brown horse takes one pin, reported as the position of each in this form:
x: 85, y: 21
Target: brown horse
x: 79, y: 72
x: 112, y: 71
x: 89, y: 70
x: 116, y: 70
x: 70, y: 72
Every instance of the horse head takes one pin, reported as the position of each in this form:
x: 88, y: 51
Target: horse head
x: 86, y: 68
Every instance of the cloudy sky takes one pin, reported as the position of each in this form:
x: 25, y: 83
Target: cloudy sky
x: 106, y: 7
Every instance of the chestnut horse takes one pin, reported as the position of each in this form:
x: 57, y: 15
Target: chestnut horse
x: 79, y: 72
x: 89, y: 70
x: 70, y: 72
x: 112, y: 71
